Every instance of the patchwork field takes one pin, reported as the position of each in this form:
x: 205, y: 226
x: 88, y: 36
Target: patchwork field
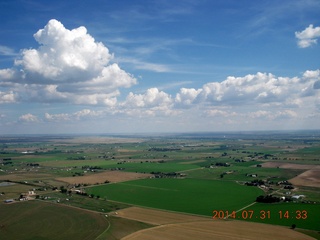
x: 309, y: 178
x: 183, y: 226
x: 161, y: 187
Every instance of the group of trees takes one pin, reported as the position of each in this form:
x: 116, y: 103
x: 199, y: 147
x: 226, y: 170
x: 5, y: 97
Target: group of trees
x: 267, y: 199
x: 256, y: 182
x: 166, y: 175
x: 164, y: 149
x: 6, y: 161
x: 271, y: 199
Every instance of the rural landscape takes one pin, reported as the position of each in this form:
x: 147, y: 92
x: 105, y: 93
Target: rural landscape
x: 170, y: 186
x: 159, y: 120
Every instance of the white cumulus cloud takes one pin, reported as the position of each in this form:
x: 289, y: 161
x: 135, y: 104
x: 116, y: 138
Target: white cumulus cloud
x: 259, y: 88
x: 151, y: 98
x: 308, y: 37
x: 187, y: 96
x: 152, y: 102
x: 68, y: 66
x: 28, y: 118
x: 7, y: 97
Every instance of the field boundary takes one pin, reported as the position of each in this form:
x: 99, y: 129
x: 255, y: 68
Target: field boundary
x: 242, y: 209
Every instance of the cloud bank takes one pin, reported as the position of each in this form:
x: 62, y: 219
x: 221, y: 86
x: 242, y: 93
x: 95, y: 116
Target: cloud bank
x: 69, y: 66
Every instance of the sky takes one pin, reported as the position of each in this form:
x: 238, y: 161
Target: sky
x: 158, y: 66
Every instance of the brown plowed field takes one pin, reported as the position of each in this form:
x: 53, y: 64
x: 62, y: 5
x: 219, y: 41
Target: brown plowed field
x: 216, y: 229
x: 157, y: 217
x: 289, y: 165
x: 111, y: 176
x: 25, y: 176
x: 176, y: 226
x: 310, y: 178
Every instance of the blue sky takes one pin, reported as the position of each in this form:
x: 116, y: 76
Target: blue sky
x: 127, y: 66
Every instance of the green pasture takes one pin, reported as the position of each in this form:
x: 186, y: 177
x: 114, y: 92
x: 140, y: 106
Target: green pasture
x: 273, y: 174
x: 308, y: 220
x: 138, y: 166
x: 238, y: 173
x: 148, y: 167
x: 194, y: 196
x: 314, y: 150
x: 40, y: 220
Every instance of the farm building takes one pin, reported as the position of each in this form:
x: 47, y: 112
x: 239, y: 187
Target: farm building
x: 27, y: 196
x: 298, y: 196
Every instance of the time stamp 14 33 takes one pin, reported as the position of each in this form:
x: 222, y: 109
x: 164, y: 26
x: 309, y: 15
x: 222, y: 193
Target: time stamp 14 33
x: 262, y: 214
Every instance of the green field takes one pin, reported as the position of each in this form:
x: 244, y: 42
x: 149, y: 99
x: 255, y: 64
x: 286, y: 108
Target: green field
x: 39, y: 220
x: 148, y: 167
x: 183, y: 195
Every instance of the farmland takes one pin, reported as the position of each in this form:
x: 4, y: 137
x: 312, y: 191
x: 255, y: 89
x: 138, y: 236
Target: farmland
x: 34, y: 219
x: 194, y: 196
x: 198, y: 175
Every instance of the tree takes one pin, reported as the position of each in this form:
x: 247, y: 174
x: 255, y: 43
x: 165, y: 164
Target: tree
x: 63, y: 190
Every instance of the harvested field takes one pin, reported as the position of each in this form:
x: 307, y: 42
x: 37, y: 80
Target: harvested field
x: 25, y: 176
x: 157, y: 217
x: 310, y: 178
x: 216, y: 229
x: 111, y: 176
x: 288, y: 165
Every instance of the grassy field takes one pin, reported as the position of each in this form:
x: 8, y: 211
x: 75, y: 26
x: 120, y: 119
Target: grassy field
x: 183, y: 195
x: 39, y: 220
x: 240, y: 173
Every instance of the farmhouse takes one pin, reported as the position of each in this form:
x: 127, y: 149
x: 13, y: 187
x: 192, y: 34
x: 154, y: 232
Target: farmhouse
x: 27, y: 196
